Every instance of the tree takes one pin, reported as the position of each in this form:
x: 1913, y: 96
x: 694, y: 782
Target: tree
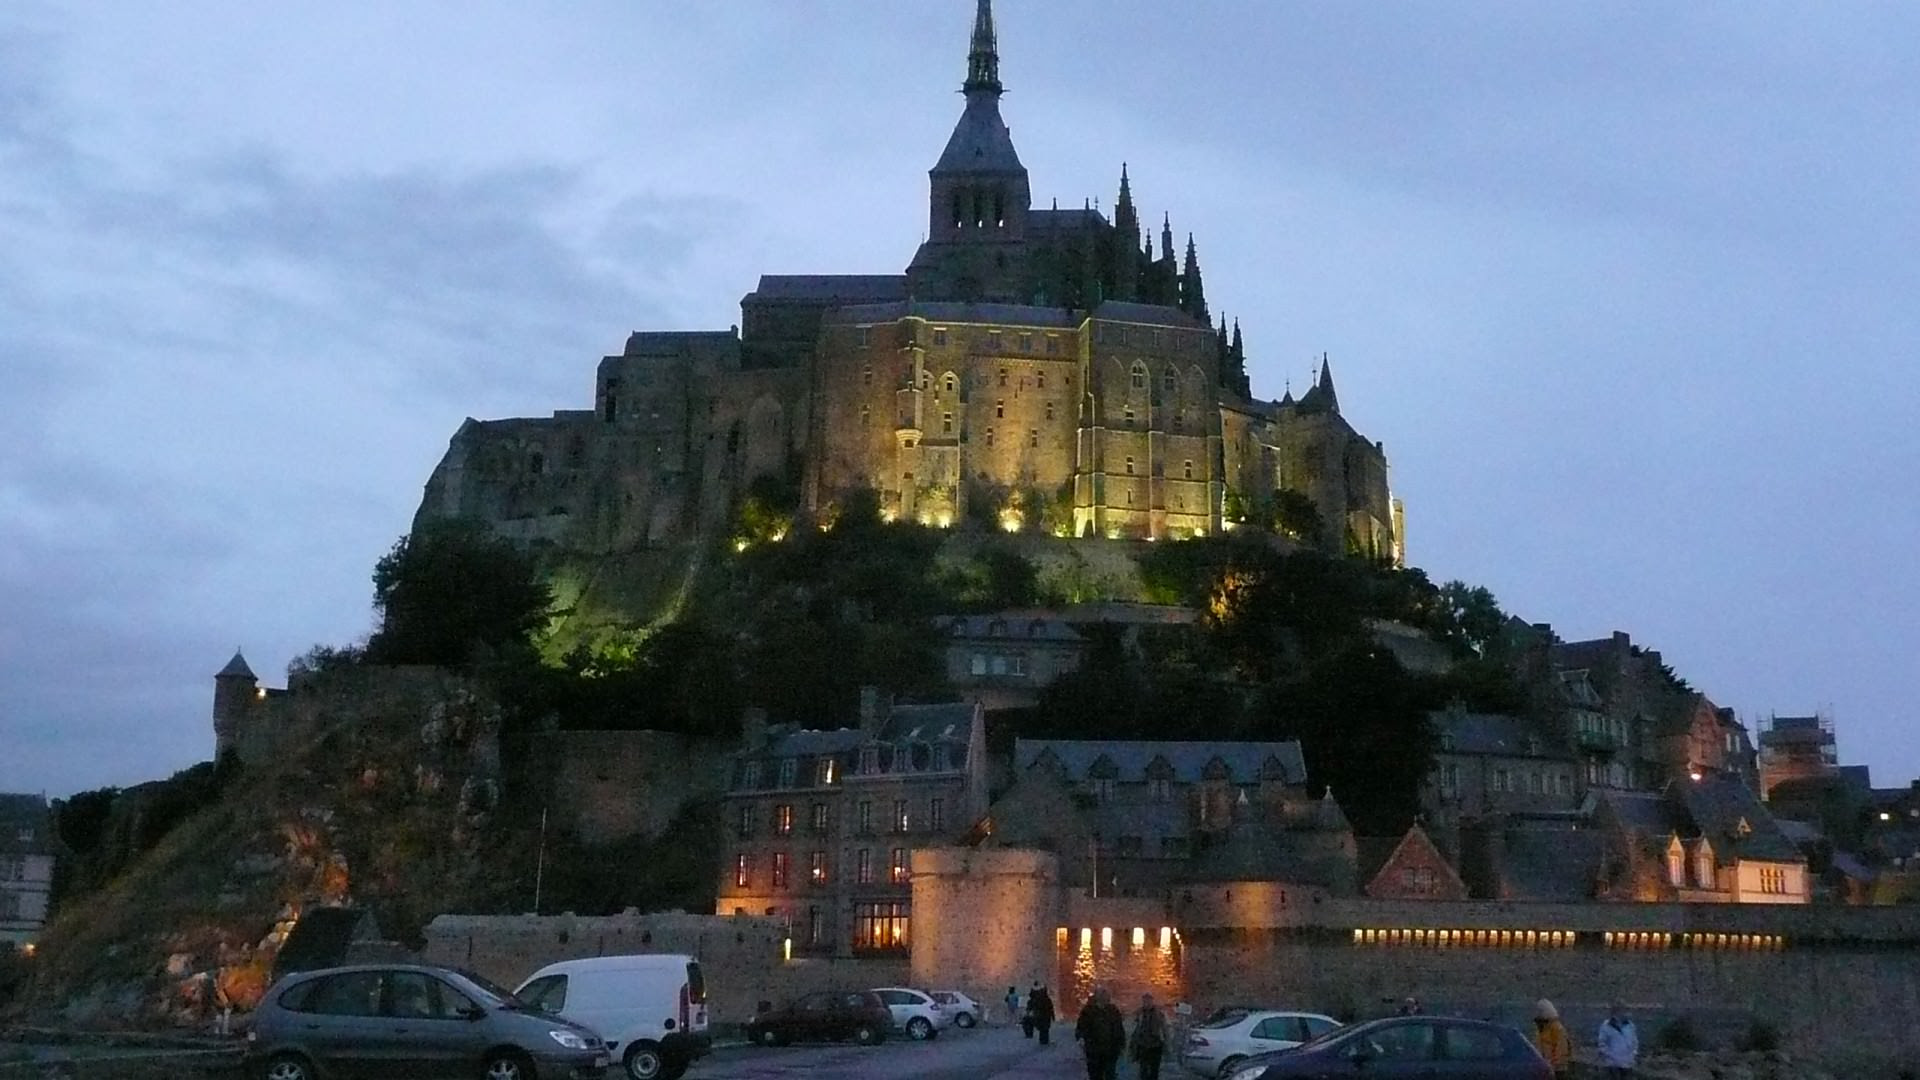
x: 451, y: 587
x: 1297, y: 518
x: 1473, y: 615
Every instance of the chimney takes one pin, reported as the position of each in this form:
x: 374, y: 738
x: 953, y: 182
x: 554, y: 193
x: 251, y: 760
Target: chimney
x: 872, y: 712
x: 753, y: 727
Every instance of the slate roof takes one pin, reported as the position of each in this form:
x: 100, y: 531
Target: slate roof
x: 236, y: 667
x: 954, y: 311
x: 26, y: 826
x: 1464, y: 732
x: 1578, y: 689
x: 980, y: 142
x: 1057, y: 220
x: 1717, y: 806
x: 1267, y: 853
x: 1189, y: 760
x: 1011, y: 626
x: 1550, y: 863
x: 924, y: 723
x: 845, y: 288
x: 1149, y: 314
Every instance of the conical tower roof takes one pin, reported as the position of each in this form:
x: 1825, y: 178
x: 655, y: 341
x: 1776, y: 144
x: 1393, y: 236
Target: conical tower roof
x: 236, y: 668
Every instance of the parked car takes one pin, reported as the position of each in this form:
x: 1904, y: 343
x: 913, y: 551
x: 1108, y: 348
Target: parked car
x: 965, y: 1011
x: 1404, y: 1048
x: 413, y: 1021
x: 914, y: 1012
x: 1217, y: 1046
x: 651, y: 1009
x: 859, y: 1015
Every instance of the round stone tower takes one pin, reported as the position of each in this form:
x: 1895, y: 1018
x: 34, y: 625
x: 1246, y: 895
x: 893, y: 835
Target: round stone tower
x: 984, y: 919
x: 235, y: 689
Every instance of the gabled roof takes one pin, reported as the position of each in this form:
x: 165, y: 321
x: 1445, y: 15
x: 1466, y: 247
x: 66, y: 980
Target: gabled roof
x: 1010, y: 626
x: 1733, y: 819
x: 843, y: 288
x: 1463, y: 732
x: 1245, y: 761
x: 1413, y: 844
x: 1148, y: 314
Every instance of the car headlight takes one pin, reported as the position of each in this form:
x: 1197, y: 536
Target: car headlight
x: 568, y: 1039
x: 1251, y: 1072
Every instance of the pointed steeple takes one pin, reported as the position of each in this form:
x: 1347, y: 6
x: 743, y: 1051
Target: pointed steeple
x: 1222, y: 351
x: 1166, y: 237
x: 983, y: 59
x: 1193, y: 295
x: 1124, y: 259
x: 1237, y: 352
x: 1328, y: 398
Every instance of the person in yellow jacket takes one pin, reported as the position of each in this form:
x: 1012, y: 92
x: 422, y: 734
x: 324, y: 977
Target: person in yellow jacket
x: 1550, y: 1035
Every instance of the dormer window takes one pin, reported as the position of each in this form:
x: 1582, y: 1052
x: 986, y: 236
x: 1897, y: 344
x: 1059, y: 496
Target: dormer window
x: 1676, y: 864
x: 788, y: 768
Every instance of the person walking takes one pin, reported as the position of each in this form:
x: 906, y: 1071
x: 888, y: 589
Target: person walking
x: 1148, y: 1043
x: 1040, y: 1013
x: 1102, y: 1032
x: 1619, y: 1043
x: 1410, y: 1006
x: 1013, y: 1010
x: 1550, y: 1035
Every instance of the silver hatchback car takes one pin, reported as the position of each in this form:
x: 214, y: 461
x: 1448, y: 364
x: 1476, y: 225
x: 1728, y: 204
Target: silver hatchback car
x: 378, y: 1022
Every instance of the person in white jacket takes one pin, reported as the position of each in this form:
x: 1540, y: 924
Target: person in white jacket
x: 1619, y: 1042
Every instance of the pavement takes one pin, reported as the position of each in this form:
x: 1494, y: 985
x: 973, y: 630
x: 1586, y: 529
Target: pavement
x: 984, y: 1053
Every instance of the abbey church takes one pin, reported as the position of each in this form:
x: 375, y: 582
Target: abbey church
x: 1037, y: 367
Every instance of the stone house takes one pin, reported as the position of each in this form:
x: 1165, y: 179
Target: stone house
x: 28, y: 849
x: 820, y: 826
x: 1410, y: 868
x: 1135, y: 818
x: 1796, y: 748
x: 1004, y: 660
x: 1699, y: 841
x: 1494, y: 763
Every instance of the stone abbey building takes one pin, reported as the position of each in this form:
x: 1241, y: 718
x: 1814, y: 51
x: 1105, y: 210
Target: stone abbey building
x: 1043, y: 368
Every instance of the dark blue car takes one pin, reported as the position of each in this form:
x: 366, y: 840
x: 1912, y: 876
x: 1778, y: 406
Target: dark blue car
x: 1405, y: 1048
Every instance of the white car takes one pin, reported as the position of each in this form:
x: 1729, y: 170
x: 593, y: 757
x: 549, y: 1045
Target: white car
x: 965, y: 1011
x: 1216, y: 1047
x: 914, y: 1011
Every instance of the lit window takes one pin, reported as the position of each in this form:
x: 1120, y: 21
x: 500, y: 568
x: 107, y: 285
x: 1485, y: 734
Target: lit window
x: 900, y: 817
x: 817, y: 868
x: 779, y: 869
x: 898, y: 873
x: 826, y: 771
x: 782, y: 819
x: 740, y: 871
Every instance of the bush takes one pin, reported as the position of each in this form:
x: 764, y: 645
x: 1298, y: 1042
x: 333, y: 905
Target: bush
x: 1679, y: 1036
x: 1761, y: 1037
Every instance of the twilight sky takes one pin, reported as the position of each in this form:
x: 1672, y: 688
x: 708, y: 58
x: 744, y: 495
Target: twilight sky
x: 1628, y: 290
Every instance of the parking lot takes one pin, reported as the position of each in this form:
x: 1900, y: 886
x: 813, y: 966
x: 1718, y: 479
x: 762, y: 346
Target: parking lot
x: 980, y: 1054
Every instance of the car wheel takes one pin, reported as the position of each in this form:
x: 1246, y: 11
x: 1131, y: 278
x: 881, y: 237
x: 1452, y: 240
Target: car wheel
x: 645, y: 1062
x: 919, y: 1029
x: 508, y: 1065
x: 287, y: 1067
x: 1227, y: 1066
x: 866, y: 1034
x: 767, y: 1036
x: 964, y: 1020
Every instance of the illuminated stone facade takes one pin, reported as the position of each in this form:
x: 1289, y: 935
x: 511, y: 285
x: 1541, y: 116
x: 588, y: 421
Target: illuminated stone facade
x: 821, y: 826
x: 27, y: 853
x: 1036, y: 368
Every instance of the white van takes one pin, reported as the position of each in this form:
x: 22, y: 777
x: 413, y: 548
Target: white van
x: 651, y: 1010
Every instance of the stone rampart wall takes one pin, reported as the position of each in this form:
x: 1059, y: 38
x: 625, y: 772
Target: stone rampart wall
x: 614, y: 785
x: 741, y: 957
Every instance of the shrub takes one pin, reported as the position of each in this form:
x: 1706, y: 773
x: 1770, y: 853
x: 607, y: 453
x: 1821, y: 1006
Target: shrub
x: 1679, y: 1036
x: 1760, y: 1037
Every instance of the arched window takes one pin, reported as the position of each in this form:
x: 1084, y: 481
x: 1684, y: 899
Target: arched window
x: 1186, y: 468
x: 1139, y: 376
x: 949, y: 382
x: 1170, y: 382
x: 1129, y: 466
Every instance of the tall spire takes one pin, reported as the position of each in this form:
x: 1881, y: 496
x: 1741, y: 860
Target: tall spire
x: 1193, y: 295
x: 1124, y: 259
x: 983, y: 60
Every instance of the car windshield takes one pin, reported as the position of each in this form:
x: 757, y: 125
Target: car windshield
x: 1327, y: 1038
x: 503, y: 997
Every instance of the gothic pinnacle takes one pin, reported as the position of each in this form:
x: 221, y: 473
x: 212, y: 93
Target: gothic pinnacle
x: 983, y: 59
